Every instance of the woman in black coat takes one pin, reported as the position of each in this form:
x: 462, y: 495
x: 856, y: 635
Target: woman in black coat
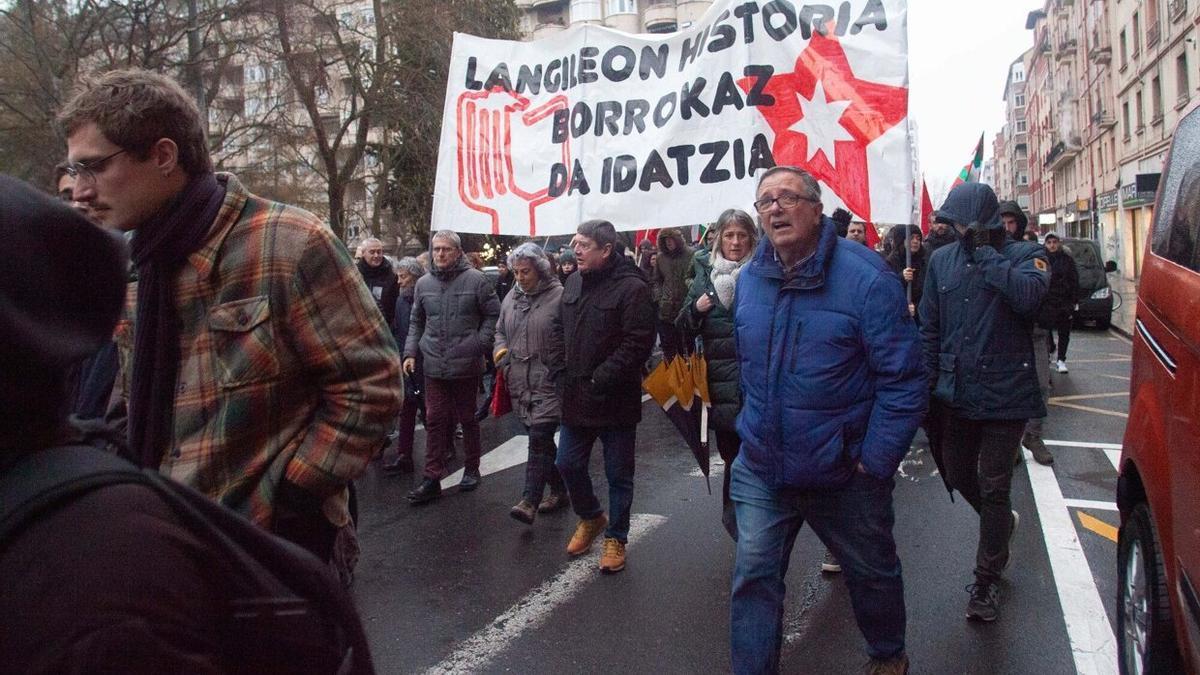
x: 708, y: 312
x: 911, y: 271
x: 408, y: 270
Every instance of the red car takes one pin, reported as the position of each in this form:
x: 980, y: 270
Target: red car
x: 1158, y: 493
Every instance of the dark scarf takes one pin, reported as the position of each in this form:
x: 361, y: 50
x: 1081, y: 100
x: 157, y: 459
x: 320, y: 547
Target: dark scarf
x: 160, y: 247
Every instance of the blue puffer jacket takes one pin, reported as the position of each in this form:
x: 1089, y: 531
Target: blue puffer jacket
x: 830, y: 366
x: 976, y: 329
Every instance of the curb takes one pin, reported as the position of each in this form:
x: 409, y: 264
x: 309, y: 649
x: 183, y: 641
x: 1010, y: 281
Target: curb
x: 1120, y: 330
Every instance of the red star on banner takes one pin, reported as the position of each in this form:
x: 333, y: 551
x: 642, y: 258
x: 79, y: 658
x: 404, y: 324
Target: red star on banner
x: 824, y: 118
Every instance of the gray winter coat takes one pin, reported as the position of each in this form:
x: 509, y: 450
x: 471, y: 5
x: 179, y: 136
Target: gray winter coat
x: 453, y: 321
x: 535, y: 350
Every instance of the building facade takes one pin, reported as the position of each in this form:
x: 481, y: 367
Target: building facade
x: 1107, y: 81
x: 1011, y: 146
x: 546, y: 17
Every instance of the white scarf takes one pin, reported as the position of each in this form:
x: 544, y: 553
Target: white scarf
x: 724, y: 276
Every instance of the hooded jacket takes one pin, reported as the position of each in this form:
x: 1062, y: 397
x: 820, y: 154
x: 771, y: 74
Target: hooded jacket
x: 976, y: 317
x: 830, y: 366
x: 381, y: 281
x: 607, y: 324
x: 453, y: 321
x: 715, y: 328
x: 526, y: 332
x: 897, y: 259
x: 1011, y: 208
x: 1063, y: 293
x: 670, y: 274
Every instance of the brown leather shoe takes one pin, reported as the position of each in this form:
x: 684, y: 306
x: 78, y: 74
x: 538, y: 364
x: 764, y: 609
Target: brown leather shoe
x: 524, y: 511
x: 553, y: 502
x: 613, y: 557
x: 585, y: 533
x: 897, y: 665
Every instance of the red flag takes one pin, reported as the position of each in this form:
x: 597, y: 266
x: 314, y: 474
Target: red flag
x: 926, y: 209
x: 872, y: 237
x: 645, y: 235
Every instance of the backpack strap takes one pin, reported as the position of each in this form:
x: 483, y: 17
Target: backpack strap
x: 55, y: 476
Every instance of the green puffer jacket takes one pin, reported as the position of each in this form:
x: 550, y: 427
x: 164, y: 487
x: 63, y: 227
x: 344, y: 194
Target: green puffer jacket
x: 715, y: 329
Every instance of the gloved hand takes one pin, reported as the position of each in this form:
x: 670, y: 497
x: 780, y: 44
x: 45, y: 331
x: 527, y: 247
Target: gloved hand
x: 976, y: 236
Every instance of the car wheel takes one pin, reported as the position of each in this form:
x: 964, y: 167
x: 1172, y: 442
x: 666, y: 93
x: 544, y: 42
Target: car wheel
x: 1104, y: 323
x: 1145, y: 632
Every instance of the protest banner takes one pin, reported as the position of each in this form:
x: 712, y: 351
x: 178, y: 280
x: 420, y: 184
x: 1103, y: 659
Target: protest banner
x: 658, y: 131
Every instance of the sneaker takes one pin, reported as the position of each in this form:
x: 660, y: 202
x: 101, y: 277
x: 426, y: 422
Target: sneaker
x: 470, y: 480
x: 612, y: 559
x: 553, y: 502
x: 985, y: 602
x: 585, y: 533
x: 427, y: 491
x: 1035, y: 445
x: 829, y: 564
x: 524, y: 511
x: 897, y: 665
x: 1012, y: 535
x: 1061, y: 365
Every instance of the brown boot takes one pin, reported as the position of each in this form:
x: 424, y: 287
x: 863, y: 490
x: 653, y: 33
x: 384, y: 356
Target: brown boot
x: 524, y: 511
x: 897, y: 665
x: 585, y: 533
x: 553, y: 502
x: 613, y: 558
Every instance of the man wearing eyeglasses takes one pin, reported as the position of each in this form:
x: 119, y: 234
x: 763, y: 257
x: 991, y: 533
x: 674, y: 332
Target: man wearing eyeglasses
x: 254, y: 366
x: 833, y: 392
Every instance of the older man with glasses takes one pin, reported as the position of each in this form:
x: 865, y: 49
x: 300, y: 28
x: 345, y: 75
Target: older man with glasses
x: 833, y: 392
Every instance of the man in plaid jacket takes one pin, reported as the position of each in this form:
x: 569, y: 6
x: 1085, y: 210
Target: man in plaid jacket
x: 255, y: 366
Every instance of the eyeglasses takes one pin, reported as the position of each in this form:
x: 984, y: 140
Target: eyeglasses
x: 786, y: 201
x: 86, y: 171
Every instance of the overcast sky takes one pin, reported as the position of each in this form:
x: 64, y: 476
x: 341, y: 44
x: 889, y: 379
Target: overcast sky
x: 959, y: 53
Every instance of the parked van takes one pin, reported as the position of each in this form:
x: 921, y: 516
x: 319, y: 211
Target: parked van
x: 1158, y: 493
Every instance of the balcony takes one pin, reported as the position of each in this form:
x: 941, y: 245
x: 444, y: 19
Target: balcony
x: 544, y: 3
x: 1104, y: 119
x: 546, y: 29
x: 1062, y: 152
x: 1101, y: 52
x: 1152, y: 35
x: 1066, y: 48
x: 659, y: 15
x: 1176, y: 9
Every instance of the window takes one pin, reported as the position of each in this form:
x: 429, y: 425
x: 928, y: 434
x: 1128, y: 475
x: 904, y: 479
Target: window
x: 1182, y: 83
x: 1177, y: 241
x: 1125, y: 118
x: 1124, y: 48
x: 1156, y: 105
x: 1022, y: 179
x: 1139, y: 110
x: 1020, y: 101
x: 1018, y: 75
x: 255, y: 72
x: 622, y: 7
x: 1020, y: 126
x: 1137, y: 34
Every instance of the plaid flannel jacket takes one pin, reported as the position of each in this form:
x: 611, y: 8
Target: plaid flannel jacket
x: 287, y: 367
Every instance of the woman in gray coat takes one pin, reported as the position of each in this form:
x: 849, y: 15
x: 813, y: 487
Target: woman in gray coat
x: 528, y: 352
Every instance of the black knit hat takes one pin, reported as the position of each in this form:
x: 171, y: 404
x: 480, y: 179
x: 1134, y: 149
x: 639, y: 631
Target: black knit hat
x: 62, y: 283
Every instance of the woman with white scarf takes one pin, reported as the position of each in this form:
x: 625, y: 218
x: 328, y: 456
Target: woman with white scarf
x: 708, y: 312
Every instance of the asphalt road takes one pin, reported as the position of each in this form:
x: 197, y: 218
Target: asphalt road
x: 458, y: 586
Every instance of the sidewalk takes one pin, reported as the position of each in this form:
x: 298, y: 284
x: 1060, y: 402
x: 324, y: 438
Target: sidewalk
x: 1124, y: 304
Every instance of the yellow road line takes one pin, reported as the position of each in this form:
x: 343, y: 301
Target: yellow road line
x: 1085, y: 408
x: 1084, y: 397
x: 1098, y: 526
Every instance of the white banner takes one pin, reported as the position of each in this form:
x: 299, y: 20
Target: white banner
x: 648, y: 131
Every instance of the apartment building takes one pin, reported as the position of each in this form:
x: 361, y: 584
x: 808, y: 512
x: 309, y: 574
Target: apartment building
x: 1010, y: 148
x: 1107, y: 82
x: 546, y: 17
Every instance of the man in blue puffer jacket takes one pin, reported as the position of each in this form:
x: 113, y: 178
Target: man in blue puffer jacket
x: 977, y: 312
x: 833, y: 392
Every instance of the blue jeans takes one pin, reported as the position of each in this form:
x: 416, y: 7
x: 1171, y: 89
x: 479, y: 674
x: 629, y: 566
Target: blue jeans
x: 854, y: 523
x: 574, y: 451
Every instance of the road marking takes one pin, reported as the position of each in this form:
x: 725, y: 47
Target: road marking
x: 532, y: 610
x: 1084, y: 408
x: 645, y: 397
x: 510, y: 453
x: 1124, y: 378
x: 1098, y: 526
x: 1082, y: 444
x: 1093, y: 644
x: 1120, y: 338
x: 1114, y: 456
x: 1090, y: 504
x: 1121, y: 359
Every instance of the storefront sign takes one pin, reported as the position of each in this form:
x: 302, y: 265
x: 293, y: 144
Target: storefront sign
x: 1107, y: 201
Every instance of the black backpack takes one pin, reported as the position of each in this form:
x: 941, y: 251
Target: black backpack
x: 286, y: 611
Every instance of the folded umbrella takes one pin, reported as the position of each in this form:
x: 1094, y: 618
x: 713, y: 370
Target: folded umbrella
x: 673, y: 387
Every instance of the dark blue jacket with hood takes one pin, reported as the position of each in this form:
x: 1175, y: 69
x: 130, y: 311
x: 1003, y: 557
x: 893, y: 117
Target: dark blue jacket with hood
x: 977, y: 316
x: 830, y: 366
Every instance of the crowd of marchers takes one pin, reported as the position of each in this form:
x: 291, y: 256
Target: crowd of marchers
x: 234, y: 346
